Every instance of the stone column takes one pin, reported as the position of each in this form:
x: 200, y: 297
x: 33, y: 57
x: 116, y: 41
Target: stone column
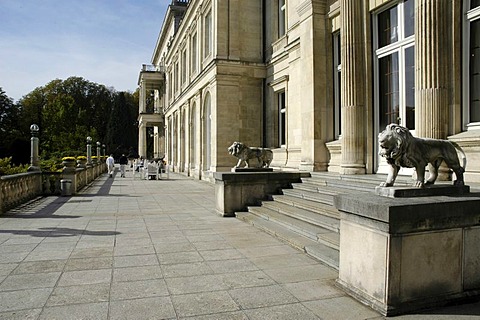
x: 142, y: 140
x: 431, y: 54
x: 142, y: 98
x: 352, y: 87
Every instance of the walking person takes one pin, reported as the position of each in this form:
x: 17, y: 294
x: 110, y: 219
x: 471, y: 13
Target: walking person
x: 123, y: 163
x: 110, y: 165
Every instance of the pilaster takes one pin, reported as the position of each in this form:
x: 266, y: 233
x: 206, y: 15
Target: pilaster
x: 142, y: 140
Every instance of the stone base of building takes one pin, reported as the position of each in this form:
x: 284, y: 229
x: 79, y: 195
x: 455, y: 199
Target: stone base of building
x: 234, y: 191
x: 399, y: 255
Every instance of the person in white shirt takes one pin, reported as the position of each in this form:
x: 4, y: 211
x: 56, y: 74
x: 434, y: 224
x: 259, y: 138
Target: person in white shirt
x: 110, y: 165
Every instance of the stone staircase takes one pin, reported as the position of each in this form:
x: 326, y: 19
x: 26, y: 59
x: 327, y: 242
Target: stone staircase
x: 304, y: 216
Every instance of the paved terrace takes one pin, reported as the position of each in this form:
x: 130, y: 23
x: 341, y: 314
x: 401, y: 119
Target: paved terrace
x: 126, y: 249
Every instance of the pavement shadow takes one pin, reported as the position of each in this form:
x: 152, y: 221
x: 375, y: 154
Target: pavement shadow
x: 467, y: 307
x: 31, y: 211
x: 107, y: 185
x: 59, y: 232
x: 104, y: 190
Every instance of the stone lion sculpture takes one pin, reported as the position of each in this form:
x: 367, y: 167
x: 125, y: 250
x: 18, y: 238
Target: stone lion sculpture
x: 401, y: 149
x: 263, y: 156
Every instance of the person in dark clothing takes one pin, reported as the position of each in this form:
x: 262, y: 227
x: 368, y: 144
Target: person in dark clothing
x: 123, y: 163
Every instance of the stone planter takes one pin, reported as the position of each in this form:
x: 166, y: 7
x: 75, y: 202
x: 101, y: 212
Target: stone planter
x: 69, y: 163
x: 81, y: 163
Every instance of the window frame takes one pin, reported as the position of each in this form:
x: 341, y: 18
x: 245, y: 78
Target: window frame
x: 208, y: 33
x: 194, y: 54
x: 470, y: 16
x: 183, y: 78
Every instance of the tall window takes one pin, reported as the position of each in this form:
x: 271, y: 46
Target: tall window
x: 281, y: 18
x: 184, y: 66
x: 175, y: 75
x: 395, y: 75
x: 208, y: 34
x: 472, y: 65
x: 282, y: 118
x: 170, y: 85
x: 193, y: 54
x: 337, y: 73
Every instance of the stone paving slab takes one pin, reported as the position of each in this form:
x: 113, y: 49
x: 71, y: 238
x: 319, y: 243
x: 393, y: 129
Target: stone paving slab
x: 140, y: 249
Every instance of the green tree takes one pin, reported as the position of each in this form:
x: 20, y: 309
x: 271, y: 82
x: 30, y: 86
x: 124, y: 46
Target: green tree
x: 14, y: 141
x: 122, y: 134
x: 68, y: 111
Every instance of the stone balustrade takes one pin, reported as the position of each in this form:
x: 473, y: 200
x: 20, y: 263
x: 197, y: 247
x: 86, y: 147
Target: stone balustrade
x: 19, y: 188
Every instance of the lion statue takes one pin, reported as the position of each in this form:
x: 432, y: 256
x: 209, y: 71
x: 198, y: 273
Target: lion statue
x: 263, y: 156
x: 401, y: 149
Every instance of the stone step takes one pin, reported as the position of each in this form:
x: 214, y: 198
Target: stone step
x: 317, y: 250
x: 335, y: 186
x: 309, y: 195
x: 370, y: 179
x: 305, y: 229
x: 314, y: 206
x: 310, y: 217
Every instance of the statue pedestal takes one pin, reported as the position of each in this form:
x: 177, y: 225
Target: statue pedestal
x: 398, y: 255
x: 252, y: 170
x: 234, y: 191
x: 428, y: 191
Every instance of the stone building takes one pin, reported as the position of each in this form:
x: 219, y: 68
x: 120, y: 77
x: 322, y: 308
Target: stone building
x: 315, y: 80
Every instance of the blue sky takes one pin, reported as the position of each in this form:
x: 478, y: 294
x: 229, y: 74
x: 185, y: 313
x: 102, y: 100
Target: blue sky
x: 103, y: 41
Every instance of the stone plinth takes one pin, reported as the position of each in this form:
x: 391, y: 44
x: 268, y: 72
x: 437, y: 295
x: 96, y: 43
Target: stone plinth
x: 234, y: 191
x: 404, y: 254
x: 428, y: 191
x: 252, y: 170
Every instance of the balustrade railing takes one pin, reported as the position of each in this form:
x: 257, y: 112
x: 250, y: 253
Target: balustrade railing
x: 19, y: 188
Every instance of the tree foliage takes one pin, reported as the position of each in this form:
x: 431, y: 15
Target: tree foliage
x: 67, y: 111
x: 12, y: 135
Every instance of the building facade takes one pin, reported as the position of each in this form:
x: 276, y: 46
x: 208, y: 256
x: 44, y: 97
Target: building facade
x: 315, y: 80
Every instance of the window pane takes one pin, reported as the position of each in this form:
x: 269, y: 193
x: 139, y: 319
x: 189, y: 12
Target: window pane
x: 208, y: 33
x: 474, y: 4
x: 389, y: 90
x: 184, y: 66
x: 387, y: 27
x: 194, y: 53
x: 409, y: 17
x: 475, y: 71
x: 410, y: 88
